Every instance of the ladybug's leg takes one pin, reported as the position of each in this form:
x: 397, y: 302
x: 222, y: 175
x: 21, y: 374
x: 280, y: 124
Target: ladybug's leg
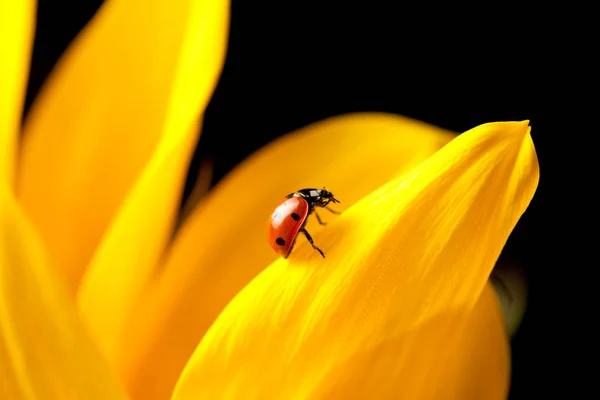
x: 319, y: 219
x: 333, y: 211
x: 310, y: 240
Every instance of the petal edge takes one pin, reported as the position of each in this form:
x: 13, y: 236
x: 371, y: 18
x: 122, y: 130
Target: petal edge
x: 17, y: 23
x: 200, y: 279
x: 420, y: 246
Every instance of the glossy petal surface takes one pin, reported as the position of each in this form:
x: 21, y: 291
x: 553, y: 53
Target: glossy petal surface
x: 223, y: 245
x: 418, y: 249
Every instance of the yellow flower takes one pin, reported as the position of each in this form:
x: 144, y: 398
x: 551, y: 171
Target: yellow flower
x: 97, y: 301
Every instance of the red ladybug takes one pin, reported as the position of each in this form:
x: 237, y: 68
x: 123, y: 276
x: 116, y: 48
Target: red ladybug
x: 290, y: 217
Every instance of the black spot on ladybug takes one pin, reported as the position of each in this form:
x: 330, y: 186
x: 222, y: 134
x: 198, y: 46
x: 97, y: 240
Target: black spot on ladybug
x: 280, y: 241
x: 295, y: 217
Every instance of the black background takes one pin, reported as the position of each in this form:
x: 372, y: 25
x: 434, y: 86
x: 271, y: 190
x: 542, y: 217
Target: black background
x: 291, y: 65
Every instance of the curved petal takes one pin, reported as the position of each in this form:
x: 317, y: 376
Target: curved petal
x: 16, y: 35
x: 45, y: 352
x: 223, y: 244
x: 128, y: 87
x: 128, y: 254
x: 417, y: 248
x: 469, y: 349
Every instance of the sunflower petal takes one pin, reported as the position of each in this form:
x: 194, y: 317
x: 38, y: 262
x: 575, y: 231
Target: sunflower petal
x: 45, y: 352
x: 126, y: 91
x: 16, y: 34
x: 126, y: 258
x: 418, y: 248
x: 206, y: 267
x: 469, y: 349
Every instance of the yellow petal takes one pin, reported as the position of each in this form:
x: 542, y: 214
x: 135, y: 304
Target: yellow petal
x: 16, y: 33
x: 124, y: 93
x: 416, y: 249
x: 455, y: 355
x: 45, y: 352
x: 476, y: 366
x: 223, y: 245
x: 127, y: 256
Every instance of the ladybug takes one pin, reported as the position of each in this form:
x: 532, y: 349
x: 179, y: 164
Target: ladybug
x: 290, y: 216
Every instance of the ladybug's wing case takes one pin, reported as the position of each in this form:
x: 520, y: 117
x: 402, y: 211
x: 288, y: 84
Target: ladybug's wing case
x: 286, y: 221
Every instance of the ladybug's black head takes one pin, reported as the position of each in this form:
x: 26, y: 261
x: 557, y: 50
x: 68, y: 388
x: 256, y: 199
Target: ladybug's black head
x: 326, y: 197
x: 317, y: 197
